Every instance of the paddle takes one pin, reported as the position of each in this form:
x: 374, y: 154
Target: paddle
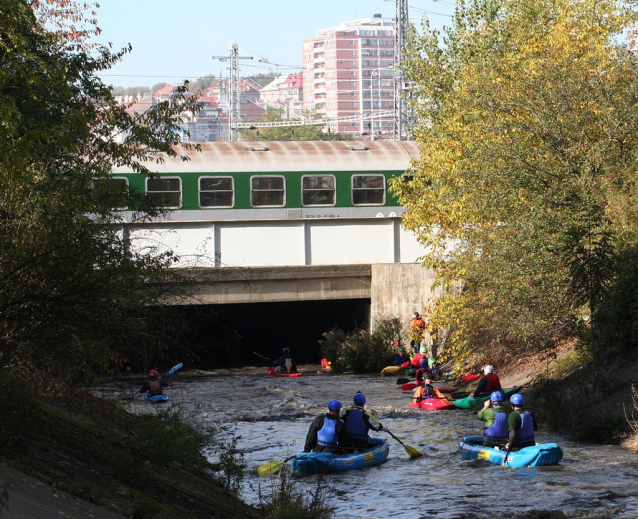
x: 173, y: 369
x: 265, y: 358
x: 509, y: 448
x: 403, y: 380
x: 408, y: 387
x: 410, y: 450
x: 272, y: 467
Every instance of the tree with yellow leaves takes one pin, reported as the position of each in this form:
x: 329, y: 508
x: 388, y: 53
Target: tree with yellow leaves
x: 525, y: 191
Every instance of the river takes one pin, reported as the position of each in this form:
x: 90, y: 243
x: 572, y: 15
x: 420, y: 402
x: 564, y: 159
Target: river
x: 270, y: 416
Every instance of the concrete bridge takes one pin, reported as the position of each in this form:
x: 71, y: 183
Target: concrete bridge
x: 394, y: 289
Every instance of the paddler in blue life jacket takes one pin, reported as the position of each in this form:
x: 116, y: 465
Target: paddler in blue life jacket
x: 285, y: 364
x: 521, y: 425
x: 494, y: 415
x: 327, y: 432
x: 358, y: 422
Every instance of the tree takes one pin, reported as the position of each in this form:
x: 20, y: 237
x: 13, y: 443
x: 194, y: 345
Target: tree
x: 73, y: 297
x: 527, y: 176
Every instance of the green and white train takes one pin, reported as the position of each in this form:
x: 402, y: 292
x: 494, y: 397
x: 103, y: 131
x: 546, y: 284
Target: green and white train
x: 279, y: 204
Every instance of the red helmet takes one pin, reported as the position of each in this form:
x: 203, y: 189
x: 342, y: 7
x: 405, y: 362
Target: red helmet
x: 153, y: 373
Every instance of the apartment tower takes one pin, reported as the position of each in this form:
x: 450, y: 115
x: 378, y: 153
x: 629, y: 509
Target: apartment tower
x: 348, y: 70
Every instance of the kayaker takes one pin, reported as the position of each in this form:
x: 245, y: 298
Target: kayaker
x: 358, y: 422
x: 434, y: 369
x: 494, y: 415
x: 427, y: 390
x: 521, y: 425
x: 489, y: 383
x: 155, y: 385
x: 327, y: 432
x: 424, y: 368
x: 285, y: 364
x: 400, y: 357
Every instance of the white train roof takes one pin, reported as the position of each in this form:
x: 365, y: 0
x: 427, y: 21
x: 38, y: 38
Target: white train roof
x: 281, y: 156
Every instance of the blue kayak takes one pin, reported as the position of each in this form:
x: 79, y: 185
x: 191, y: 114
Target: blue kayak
x: 324, y: 462
x: 156, y: 398
x: 536, y: 456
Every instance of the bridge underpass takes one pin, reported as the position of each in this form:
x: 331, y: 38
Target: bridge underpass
x: 270, y: 308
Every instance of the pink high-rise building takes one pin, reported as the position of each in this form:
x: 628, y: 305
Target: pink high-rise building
x: 348, y: 70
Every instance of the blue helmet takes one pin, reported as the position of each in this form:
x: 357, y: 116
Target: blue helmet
x: 359, y: 398
x: 496, y: 396
x: 517, y: 399
x: 424, y: 363
x: 334, y: 405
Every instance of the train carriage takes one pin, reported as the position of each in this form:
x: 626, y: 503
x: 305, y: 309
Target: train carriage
x: 279, y: 203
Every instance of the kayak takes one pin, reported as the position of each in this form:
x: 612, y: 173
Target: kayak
x: 391, y: 371
x: 471, y: 402
x: 469, y: 378
x: 325, y: 462
x: 155, y: 398
x: 275, y: 373
x: 433, y: 404
x: 536, y: 456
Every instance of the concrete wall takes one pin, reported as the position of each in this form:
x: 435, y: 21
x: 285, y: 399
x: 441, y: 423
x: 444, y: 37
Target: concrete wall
x: 400, y: 289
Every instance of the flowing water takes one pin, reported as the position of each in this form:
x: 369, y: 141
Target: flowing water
x: 270, y: 416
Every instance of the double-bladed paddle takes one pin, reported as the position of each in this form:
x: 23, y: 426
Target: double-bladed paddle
x: 403, y: 380
x: 272, y: 467
x: 409, y: 449
x: 173, y: 369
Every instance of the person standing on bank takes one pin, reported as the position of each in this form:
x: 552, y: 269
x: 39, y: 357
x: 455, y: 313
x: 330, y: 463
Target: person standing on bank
x: 358, y: 422
x: 327, y: 432
x: 521, y: 425
x: 285, y: 364
x: 417, y: 327
x: 489, y: 383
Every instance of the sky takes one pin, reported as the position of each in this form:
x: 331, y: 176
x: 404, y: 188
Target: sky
x: 173, y: 41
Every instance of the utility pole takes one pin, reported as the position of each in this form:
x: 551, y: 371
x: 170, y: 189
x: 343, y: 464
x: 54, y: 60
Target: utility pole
x: 234, y: 87
x: 401, y: 25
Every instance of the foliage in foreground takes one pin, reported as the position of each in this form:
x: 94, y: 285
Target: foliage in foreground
x: 288, y: 501
x: 74, y: 297
x: 526, y: 191
x: 361, y: 351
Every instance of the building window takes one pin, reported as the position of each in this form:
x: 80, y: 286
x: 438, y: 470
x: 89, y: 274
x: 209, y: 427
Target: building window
x: 267, y: 191
x: 353, y: 63
x: 351, y: 53
x: 318, y: 190
x: 353, y: 104
x: 353, y: 94
x: 113, y: 191
x: 353, y: 72
x: 165, y: 191
x: 368, y: 189
x: 353, y: 83
x: 351, y: 42
x: 216, y: 192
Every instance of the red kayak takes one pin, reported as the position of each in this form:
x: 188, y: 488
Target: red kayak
x: 275, y: 373
x: 469, y: 378
x: 433, y: 404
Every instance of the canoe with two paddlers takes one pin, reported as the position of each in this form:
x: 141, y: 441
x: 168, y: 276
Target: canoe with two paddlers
x: 541, y: 455
x: 325, y: 462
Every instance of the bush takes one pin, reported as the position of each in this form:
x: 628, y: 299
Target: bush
x: 361, y: 351
x: 287, y: 501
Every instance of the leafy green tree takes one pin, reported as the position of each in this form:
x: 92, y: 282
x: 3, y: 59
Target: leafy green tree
x: 527, y: 177
x: 74, y: 299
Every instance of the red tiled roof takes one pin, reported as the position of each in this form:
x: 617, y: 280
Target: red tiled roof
x: 165, y: 90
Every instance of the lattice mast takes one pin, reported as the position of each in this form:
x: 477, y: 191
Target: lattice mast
x: 401, y: 22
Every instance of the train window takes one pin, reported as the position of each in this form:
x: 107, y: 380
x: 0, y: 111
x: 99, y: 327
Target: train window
x: 318, y: 190
x: 113, y: 191
x: 165, y: 191
x: 216, y: 192
x: 267, y: 191
x: 368, y: 189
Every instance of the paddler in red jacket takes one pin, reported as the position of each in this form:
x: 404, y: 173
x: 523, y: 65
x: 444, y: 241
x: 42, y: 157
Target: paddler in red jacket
x: 488, y: 383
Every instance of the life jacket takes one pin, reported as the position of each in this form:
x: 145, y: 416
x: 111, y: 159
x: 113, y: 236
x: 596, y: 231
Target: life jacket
x: 154, y: 387
x: 416, y: 360
x: 287, y: 366
x: 424, y: 392
x: 526, y: 433
x: 355, y: 426
x: 497, y: 432
x: 493, y: 383
x: 327, y: 436
x: 428, y: 390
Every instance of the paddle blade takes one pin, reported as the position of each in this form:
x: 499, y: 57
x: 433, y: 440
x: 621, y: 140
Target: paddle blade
x: 412, y: 451
x: 402, y: 381
x: 270, y: 468
x: 175, y: 368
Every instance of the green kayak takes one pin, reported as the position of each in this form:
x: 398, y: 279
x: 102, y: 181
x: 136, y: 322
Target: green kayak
x: 476, y: 402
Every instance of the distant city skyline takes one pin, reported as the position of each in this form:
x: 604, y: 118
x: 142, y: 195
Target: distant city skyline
x: 172, y: 44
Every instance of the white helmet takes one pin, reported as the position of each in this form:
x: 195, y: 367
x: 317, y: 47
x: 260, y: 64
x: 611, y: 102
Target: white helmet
x: 488, y: 369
